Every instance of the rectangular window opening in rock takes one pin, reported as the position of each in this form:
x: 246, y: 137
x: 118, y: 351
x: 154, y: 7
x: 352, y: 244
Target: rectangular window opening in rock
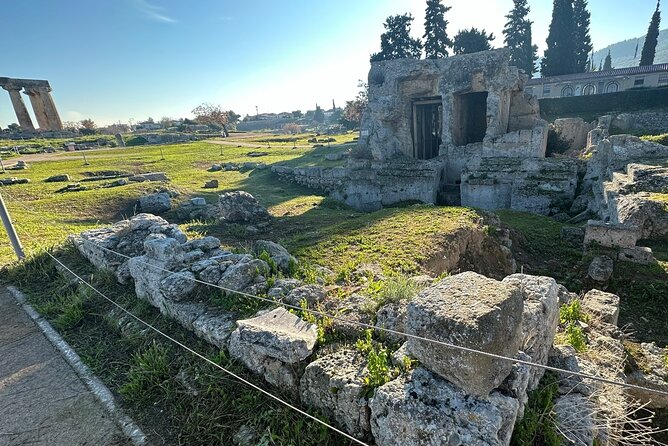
x: 427, y: 127
x: 469, y: 118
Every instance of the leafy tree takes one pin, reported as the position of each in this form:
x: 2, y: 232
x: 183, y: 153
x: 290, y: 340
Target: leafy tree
x: 165, y: 122
x: 469, y: 41
x: 319, y: 115
x: 297, y: 114
x: 582, y: 39
x: 208, y: 114
x: 517, y: 32
x: 88, y: 127
x: 651, y: 39
x: 558, y: 58
x: 436, y: 40
x: 607, y: 65
x: 396, y: 42
x: 14, y: 127
x: 353, y: 111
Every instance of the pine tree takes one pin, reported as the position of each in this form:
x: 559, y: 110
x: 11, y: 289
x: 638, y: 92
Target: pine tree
x: 582, y: 39
x: 469, y: 41
x: 607, y: 65
x: 651, y: 39
x: 558, y: 58
x: 396, y: 42
x: 517, y: 32
x: 436, y: 40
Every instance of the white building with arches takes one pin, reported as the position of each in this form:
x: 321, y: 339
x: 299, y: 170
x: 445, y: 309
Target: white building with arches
x: 598, y: 82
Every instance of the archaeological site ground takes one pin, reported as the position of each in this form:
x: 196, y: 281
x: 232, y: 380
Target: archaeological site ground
x: 470, y: 266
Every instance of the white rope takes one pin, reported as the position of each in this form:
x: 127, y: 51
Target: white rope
x: 569, y: 373
x: 199, y: 355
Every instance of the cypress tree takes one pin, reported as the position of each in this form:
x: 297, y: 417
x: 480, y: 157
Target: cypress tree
x: 436, y: 40
x: 651, y: 39
x: 558, y: 58
x: 607, y: 65
x: 517, y: 32
x: 582, y: 39
x: 469, y: 41
x: 396, y: 42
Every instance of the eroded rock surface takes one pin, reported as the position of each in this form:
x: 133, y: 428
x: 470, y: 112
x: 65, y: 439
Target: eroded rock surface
x: 467, y: 310
x: 240, y: 206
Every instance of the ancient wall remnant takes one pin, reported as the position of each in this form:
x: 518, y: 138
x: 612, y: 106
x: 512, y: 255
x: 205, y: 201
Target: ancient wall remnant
x: 44, y: 108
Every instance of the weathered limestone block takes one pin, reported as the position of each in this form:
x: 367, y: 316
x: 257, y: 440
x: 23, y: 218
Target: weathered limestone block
x: 573, y: 131
x: 334, y: 384
x: 282, y: 287
x: 601, y: 269
x: 239, y: 276
x: 565, y: 357
x: 611, y: 235
x: 603, y: 306
x: 467, y: 310
x: 240, y: 206
x: 392, y: 316
x: 423, y: 409
x: 277, y: 253
x: 273, y: 344
x: 539, y: 319
x: 652, y: 373
x: 155, y: 203
x: 311, y: 294
x: 355, y: 309
x: 215, y: 327
x: 637, y: 254
x: 151, y: 176
x: 58, y: 178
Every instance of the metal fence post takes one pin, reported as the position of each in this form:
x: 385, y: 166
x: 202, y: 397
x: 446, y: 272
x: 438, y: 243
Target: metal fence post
x: 13, y: 238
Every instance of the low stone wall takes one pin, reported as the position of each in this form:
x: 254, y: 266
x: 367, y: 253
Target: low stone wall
x: 646, y: 122
x: 280, y: 346
x: 538, y: 185
x: 369, y: 185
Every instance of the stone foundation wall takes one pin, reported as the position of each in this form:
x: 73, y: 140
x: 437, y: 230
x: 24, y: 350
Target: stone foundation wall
x: 642, y: 122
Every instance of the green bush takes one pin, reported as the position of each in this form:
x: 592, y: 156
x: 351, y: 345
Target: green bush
x: 393, y: 290
x: 570, y: 316
x: 136, y: 141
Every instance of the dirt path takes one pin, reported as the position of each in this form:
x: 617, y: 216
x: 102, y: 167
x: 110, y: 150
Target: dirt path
x: 42, y: 400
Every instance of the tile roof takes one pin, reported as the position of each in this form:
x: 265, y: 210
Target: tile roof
x: 630, y: 71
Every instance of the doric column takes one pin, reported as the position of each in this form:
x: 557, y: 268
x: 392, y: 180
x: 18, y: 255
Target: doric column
x: 38, y: 107
x: 20, y: 107
x: 54, y: 122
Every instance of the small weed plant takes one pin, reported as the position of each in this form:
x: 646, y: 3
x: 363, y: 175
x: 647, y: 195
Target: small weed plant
x: 570, y: 316
x: 323, y: 323
x: 393, y: 290
x: 537, y: 427
x: 378, y: 363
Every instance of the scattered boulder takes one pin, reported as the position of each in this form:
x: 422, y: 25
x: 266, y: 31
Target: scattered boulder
x: 282, y: 287
x: 20, y: 165
x: 155, y: 203
x: 152, y: 176
x: 257, y: 154
x: 392, y: 316
x: 239, y: 276
x: 421, y: 408
x: 196, y: 209
x: 215, y: 168
x: 601, y: 268
x: 273, y: 344
x: 334, y: 384
x: 58, y: 178
x: 13, y: 180
x: 467, y: 310
x: 212, y: 184
x: 355, y: 309
x: 240, y: 206
x: 603, y: 306
x: 277, y: 253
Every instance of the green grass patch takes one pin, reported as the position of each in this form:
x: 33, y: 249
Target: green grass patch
x: 538, y: 427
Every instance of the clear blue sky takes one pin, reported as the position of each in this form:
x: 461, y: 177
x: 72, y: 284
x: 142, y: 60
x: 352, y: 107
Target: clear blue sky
x: 112, y: 60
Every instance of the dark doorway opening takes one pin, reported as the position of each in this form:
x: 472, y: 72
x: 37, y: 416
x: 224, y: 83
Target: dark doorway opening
x: 427, y: 126
x: 470, y: 118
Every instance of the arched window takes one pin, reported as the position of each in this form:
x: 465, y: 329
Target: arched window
x: 567, y: 91
x: 589, y: 89
x: 613, y: 87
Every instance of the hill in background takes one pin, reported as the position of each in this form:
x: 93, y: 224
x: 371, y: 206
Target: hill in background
x: 623, y: 53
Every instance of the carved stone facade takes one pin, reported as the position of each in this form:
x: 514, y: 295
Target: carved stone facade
x: 44, y: 108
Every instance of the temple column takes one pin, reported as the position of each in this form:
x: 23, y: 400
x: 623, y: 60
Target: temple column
x: 38, y: 107
x: 51, y: 112
x: 20, y: 108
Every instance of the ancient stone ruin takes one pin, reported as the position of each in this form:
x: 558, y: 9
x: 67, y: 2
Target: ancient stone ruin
x: 448, y: 397
x: 459, y: 130
x: 44, y: 108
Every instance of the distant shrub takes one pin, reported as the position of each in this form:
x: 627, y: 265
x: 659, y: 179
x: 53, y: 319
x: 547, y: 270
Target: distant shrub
x: 555, y: 143
x: 136, y: 141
